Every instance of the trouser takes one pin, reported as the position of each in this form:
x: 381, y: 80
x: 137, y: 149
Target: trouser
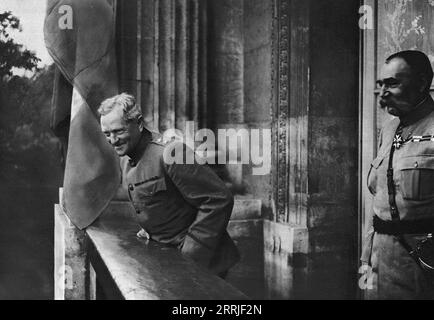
x: 395, y: 275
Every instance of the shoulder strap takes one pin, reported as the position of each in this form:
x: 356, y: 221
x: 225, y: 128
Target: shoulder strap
x: 390, y: 183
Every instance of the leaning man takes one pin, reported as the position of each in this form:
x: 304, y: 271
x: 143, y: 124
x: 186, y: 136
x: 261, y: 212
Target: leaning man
x: 184, y: 205
x: 398, y: 246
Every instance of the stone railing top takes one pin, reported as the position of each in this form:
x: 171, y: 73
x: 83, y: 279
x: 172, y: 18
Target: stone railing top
x: 143, y: 269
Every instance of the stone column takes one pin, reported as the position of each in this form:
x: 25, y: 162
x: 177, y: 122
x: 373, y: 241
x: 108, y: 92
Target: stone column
x: 286, y: 237
x: 148, y: 58
x: 226, y: 76
x: 162, y: 50
x: 71, y: 276
x: 316, y: 151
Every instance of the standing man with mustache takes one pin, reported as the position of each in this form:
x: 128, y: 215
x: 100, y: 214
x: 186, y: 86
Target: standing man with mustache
x: 398, y: 246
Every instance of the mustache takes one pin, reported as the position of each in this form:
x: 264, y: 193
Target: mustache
x: 383, y: 104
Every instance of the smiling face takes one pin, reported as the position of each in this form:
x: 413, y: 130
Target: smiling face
x: 400, y: 91
x: 122, y: 135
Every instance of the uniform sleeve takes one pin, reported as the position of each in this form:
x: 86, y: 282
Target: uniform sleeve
x: 369, y: 227
x: 206, y: 192
x: 380, y: 139
x: 367, y: 239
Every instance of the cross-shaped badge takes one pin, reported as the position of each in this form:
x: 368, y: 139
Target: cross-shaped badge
x: 398, y: 141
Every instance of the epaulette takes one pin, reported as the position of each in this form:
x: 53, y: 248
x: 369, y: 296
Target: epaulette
x: 159, y: 141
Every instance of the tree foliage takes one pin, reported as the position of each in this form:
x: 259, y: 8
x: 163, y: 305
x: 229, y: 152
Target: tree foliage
x: 13, y: 54
x: 28, y: 149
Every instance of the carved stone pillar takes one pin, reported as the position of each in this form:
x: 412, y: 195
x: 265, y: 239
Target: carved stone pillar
x: 315, y: 150
x: 286, y: 236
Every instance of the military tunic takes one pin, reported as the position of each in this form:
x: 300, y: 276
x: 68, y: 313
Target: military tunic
x: 395, y: 275
x: 184, y: 205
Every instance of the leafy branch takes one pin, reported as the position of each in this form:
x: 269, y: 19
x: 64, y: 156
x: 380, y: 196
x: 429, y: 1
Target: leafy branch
x: 13, y: 54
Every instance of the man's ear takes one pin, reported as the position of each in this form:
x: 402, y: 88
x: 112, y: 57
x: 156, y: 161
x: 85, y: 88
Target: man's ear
x: 141, y: 124
x: 423, y: 84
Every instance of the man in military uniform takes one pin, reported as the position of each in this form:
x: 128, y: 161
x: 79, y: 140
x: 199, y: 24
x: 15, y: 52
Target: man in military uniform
x: 401, y: 180
x: 184, y: 205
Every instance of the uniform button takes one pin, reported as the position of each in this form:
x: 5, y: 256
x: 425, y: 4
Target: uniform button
x: 416, y: 164
x: 131, y: 187
x: 132, y: 163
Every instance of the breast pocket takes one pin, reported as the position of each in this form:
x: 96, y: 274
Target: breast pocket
x: 150, y: 192
x: 417, y: 178
x: 373, y: 174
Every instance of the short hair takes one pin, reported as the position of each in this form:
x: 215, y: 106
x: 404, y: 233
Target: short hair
x: 419, y: 63
x: 126, y: 102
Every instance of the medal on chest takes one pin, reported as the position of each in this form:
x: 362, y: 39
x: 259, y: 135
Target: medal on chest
x: 398, y: 141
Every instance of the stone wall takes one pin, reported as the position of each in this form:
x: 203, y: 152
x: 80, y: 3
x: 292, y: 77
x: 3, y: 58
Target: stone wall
x: 240, y: 47
x: 333, y: 156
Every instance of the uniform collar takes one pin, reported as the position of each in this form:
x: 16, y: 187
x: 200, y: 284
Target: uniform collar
x: 137, y: 154
x: 425, y: 107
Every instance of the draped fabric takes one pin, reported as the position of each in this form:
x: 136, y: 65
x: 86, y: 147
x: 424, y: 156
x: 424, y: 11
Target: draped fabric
x: 80, y: 37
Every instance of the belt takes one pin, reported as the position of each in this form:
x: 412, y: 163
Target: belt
x: 403, y: 226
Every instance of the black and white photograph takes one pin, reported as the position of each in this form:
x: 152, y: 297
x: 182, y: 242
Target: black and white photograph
x: 229, y: 151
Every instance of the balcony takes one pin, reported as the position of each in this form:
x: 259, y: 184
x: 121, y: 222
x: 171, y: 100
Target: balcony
x: 108, y: 261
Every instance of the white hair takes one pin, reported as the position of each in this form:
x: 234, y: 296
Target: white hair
x: 125, y: 102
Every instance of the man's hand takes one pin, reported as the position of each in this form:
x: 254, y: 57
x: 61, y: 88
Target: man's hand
x: 366, y: 278
x: 142, y: 234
